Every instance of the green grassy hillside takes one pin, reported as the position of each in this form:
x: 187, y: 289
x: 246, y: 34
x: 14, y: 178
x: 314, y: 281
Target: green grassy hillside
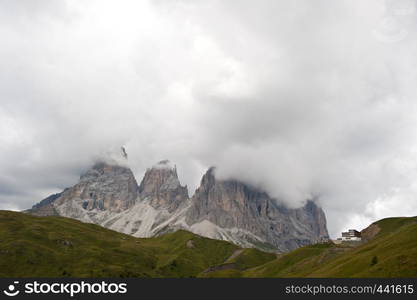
x: 54, y: 247
x: 59, y: 247
x: 392, y: 252
x: 240, y: 261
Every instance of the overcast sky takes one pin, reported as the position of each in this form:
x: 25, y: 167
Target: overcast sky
x: 301, y: 98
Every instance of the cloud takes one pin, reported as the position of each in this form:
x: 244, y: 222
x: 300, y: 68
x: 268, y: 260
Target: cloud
x: 302, y: 99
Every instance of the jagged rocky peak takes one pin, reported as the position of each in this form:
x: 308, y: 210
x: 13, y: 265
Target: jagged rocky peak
x: 124, y: 153
x: 162, y: 187
x: 222, y: 201
x: 208, y: 180
x: 255, y: 216
x: 315, y: 217
x: 104, y: 187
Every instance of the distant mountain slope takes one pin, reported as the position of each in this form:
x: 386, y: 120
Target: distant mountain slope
x: 108, y: 195
x: 390, y: 252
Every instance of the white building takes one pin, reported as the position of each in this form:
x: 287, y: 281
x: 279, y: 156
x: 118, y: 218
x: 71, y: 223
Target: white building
x: 350, y: 235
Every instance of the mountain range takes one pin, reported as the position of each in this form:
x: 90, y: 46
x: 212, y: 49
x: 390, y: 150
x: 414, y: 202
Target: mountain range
x: 109, y: 195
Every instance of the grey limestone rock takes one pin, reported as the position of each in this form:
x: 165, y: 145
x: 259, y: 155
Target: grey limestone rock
x: 109, y: 195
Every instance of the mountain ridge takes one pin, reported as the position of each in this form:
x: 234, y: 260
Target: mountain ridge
x: 108, y: 195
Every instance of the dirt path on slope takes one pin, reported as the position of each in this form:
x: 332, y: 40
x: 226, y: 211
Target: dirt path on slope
x: 226, y: 265
x: 234, y: 255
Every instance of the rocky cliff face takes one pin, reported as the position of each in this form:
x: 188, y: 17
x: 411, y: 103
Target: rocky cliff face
x: 162, y: 187
x: 250, y: 215
x: 46, y: 207
x: 108, y: 195
x: 103, y: 188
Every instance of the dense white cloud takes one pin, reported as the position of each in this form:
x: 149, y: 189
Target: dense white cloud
x: 302, y: 98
